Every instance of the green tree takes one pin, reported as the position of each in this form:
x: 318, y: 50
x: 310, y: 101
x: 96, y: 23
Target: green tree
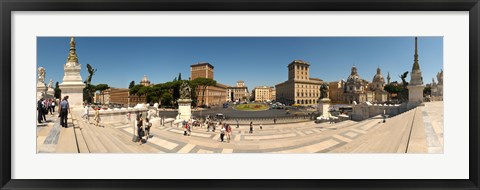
x: 134, y: 90
x: 201, y: 84
x: 102, y: 88
x: 57, y: 92
x: 132, y: 84
x: 427, y: 91
x: 179, y: 76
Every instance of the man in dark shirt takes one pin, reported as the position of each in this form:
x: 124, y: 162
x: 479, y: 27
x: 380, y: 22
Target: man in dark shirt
x: 40, y: 110
x: 63, y: 110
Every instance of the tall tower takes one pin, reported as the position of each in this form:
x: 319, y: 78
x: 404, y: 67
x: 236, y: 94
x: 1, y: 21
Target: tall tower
x: 298, y: 70
x: 201, y: 70
x: 72, y: 84
x: 388, y: 78
x: 415, y: 87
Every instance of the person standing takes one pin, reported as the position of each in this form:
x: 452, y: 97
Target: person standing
x: 40, y: 110
x: 50, y: 106
x: 64, y: 109
x: 139, y: 128
x: 274, y: 120
x: 148, y: 125
x: 238, y: 124
x: 45, y: 109
x: 251, y: 127
x: 53, y: 105
x: 222, y: 133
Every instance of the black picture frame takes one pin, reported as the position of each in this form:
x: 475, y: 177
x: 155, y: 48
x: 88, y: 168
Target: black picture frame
x: 7, y: 6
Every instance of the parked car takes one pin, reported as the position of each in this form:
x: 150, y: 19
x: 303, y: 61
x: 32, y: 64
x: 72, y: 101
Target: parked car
x: 220, y: 116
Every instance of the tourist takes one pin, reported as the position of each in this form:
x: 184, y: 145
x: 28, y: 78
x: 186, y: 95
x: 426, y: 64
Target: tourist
x: 64, y: 109
x: 222, y: 133
x: 229, y: 132
x: 140, y: 131
x: 274, y: 120
x: 86, y: 111
x: 251, y: 127
x: 97, y: 116
x: 261, y: 127
x: 40, y: 110
x: 129, y: 115
x: 148, y: 125
x: 238, y: 124
x: 50, y: 106
x: 53, y: 105
x: 45, y: 109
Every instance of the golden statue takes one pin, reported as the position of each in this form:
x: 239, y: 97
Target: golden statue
x: 72, y: 56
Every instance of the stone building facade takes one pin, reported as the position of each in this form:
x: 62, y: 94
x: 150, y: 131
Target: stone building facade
x: 299, y: 88
x: 119, y: 96
x: 335, y: 91
x: 238, y: 92
x: 214, y: 95
x: 263, y: 93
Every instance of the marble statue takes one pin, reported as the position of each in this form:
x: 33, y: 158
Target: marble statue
x: 41, y: 74
x: 440, y: 77
x: 50, y: 84
x: 185, y: 91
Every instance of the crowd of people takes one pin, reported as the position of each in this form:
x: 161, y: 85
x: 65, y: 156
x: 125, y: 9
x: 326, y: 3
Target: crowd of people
x: 44, y: 107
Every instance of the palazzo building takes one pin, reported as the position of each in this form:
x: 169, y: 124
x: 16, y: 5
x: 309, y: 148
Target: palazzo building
x: 263, y: 93
x: 299, y: 88
x: 214, y: 95
x: 238, y: 92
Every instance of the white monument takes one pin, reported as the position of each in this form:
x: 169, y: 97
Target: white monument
x: 72, y: 84
x: 185, y: 102
x: 50, y: 91
x: 324, y: 102
x: 415, y: 87
x: 41, y: 88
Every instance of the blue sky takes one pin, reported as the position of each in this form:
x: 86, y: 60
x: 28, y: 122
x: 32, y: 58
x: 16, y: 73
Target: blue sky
x: 256, y: 60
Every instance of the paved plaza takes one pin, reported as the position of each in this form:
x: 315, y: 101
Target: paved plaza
x: 419, y: 130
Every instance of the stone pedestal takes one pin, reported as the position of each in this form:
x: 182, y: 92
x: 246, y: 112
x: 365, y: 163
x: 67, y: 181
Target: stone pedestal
x: 184, y: 109
x: 72, y: 85
x: 323, y: 106
x: 415, y: 95
x: 41, y: 90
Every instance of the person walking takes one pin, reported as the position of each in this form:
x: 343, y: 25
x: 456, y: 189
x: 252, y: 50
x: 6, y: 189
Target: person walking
x: 251, y: 127
x: 274, y: 120
x: 129, y: 115
x: 97, y: 117
x: 64, y: 109
x: 229, y: 132
x: 86, y: 112
x: 40, y: 110
x: 222, y: 133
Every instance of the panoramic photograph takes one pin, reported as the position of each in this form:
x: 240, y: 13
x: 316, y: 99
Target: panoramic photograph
x: 287, y: 95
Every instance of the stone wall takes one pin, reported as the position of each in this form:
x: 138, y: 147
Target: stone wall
x: 367, y: 110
